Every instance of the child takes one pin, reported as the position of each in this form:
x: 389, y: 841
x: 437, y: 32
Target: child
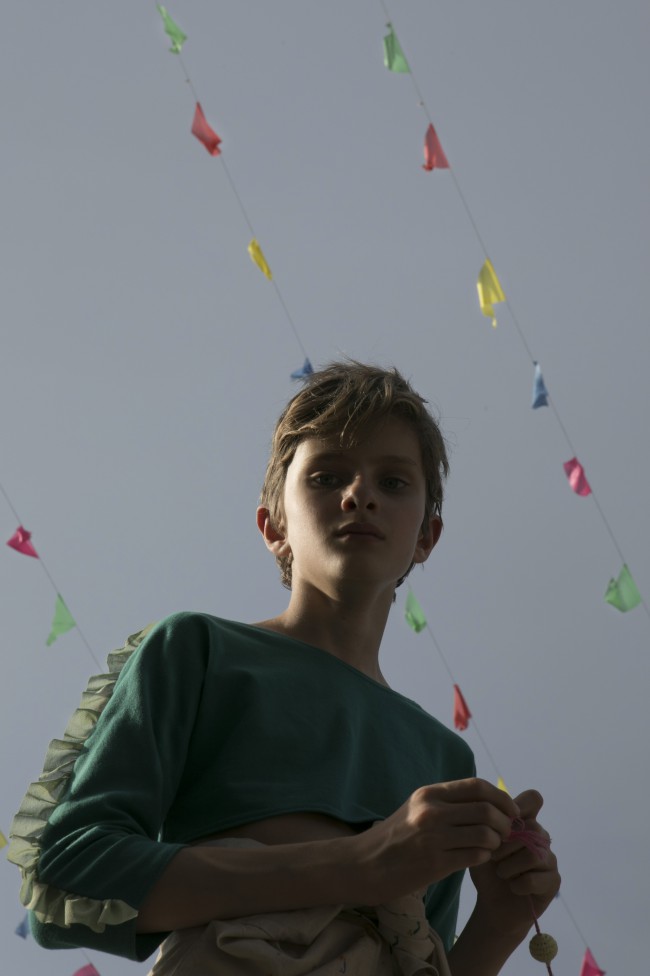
x: 256, y: 795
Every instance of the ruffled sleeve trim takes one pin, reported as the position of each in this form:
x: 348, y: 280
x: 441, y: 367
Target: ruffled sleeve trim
x: 50, y: 904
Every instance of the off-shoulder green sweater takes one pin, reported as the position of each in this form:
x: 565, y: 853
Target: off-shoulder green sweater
x: 213, y: 724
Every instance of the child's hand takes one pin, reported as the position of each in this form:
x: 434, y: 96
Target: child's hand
x: 440, y: 829
x: 515, y: 872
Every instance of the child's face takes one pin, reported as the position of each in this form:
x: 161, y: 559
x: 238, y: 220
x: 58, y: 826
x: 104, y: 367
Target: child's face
x: 356, y: 514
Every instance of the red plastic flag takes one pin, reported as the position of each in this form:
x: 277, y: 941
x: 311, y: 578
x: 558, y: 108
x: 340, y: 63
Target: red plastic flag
x: 204, y: 133
x: 434, y: 157
x: 576, y: 475
x: 20, y: 542
x: 462, y: 714
x: 590, y: 967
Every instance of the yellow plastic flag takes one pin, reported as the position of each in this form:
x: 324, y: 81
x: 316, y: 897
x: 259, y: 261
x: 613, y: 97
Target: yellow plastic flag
x: 257, y: 257
x: 502, y: 786
x: 489, y: 290
x: 3, y: 840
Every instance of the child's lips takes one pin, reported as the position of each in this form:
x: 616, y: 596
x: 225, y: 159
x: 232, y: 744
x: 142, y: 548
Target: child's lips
x: 364, y: 529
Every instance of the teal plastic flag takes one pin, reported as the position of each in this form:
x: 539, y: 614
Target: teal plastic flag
x: 393, y: 55
x: 414, y: 615
x: 63, y: 621
x: 622, y: 593
x: 176, y: 35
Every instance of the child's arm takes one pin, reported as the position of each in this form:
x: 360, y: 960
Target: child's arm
x: 441, y: 829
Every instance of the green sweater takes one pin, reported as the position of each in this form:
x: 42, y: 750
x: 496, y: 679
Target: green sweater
x: 213, y: 724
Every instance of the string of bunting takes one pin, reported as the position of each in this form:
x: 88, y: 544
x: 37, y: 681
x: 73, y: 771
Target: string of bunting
x: 621, y: 591
x: 542, y: 946
x: 202, y: 130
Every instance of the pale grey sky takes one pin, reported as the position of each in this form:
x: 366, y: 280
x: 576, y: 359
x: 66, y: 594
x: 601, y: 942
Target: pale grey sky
x: 145, y: 359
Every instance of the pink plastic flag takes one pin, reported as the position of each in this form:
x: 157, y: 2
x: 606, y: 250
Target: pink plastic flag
x: 88, y: 970
x: 576, y: 475
x: 204, y: 133
x: 434, y: 157
x: 20, y: 542
x: 590, y: 967
x: 462, y: 714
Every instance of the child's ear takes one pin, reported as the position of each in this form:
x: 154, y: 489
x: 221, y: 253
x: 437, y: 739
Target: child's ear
x: 428, y: 539
x: 274, y: 538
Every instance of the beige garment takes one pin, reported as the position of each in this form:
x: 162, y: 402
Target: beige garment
x: 389, y: 940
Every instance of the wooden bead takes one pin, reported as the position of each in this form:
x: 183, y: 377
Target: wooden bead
x: 543, y: 947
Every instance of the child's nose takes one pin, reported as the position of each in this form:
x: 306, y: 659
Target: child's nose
x: 358, y: 494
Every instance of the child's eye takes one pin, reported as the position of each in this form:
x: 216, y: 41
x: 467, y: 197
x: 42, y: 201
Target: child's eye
x: 324, y: 479
x: 393, y: 483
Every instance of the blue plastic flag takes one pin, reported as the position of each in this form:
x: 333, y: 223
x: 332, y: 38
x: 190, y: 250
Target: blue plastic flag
x: 540, y: 393
x: 22, y: 929
x: 305, y: 370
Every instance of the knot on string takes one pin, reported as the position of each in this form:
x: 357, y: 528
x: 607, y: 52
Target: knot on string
x: 535, y: 842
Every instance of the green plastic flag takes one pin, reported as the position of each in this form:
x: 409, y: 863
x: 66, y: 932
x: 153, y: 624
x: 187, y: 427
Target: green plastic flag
x: 622, y: 592
x: 393, y: 55
x: 63, y: 620
x: 176, y: 35
x: 413, y: 613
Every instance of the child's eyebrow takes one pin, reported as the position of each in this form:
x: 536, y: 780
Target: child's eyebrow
x: 321, y: 456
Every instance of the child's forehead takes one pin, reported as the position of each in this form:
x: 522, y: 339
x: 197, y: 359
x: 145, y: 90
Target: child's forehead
x: 393, y: 440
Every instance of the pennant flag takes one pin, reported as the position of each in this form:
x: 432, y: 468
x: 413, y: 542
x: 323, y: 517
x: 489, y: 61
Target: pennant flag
x: 502, y: 786
x: 434, y: 157
x: 622, y: 593
x: 540, y: 393
x: 590, y: 967
x: 305, y: 370
x: 576, y: 475
x: 204, y: 133
x: 413, y: 614
x: 257, y: 257
x: 176, y: 35
x: 462, y: 714
x: 22, y: 929
x: 489, y: 290
x: 63, y: 621
x: 3, y: 840
x: 88, y: 970
x: 20, y: 542
x: 393, y: 55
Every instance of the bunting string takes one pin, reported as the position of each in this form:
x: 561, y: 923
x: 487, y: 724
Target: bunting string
x: 490, y: 283
x: 59, y: 602
x: 178, y: 39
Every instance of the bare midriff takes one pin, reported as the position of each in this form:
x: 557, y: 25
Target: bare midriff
x: 290, y: 828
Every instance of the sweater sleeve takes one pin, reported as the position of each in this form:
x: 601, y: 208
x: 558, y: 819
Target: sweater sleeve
x: 98, y: 853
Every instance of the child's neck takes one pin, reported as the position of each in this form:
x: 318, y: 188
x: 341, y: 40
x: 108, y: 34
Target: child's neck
x: 350, y: 629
